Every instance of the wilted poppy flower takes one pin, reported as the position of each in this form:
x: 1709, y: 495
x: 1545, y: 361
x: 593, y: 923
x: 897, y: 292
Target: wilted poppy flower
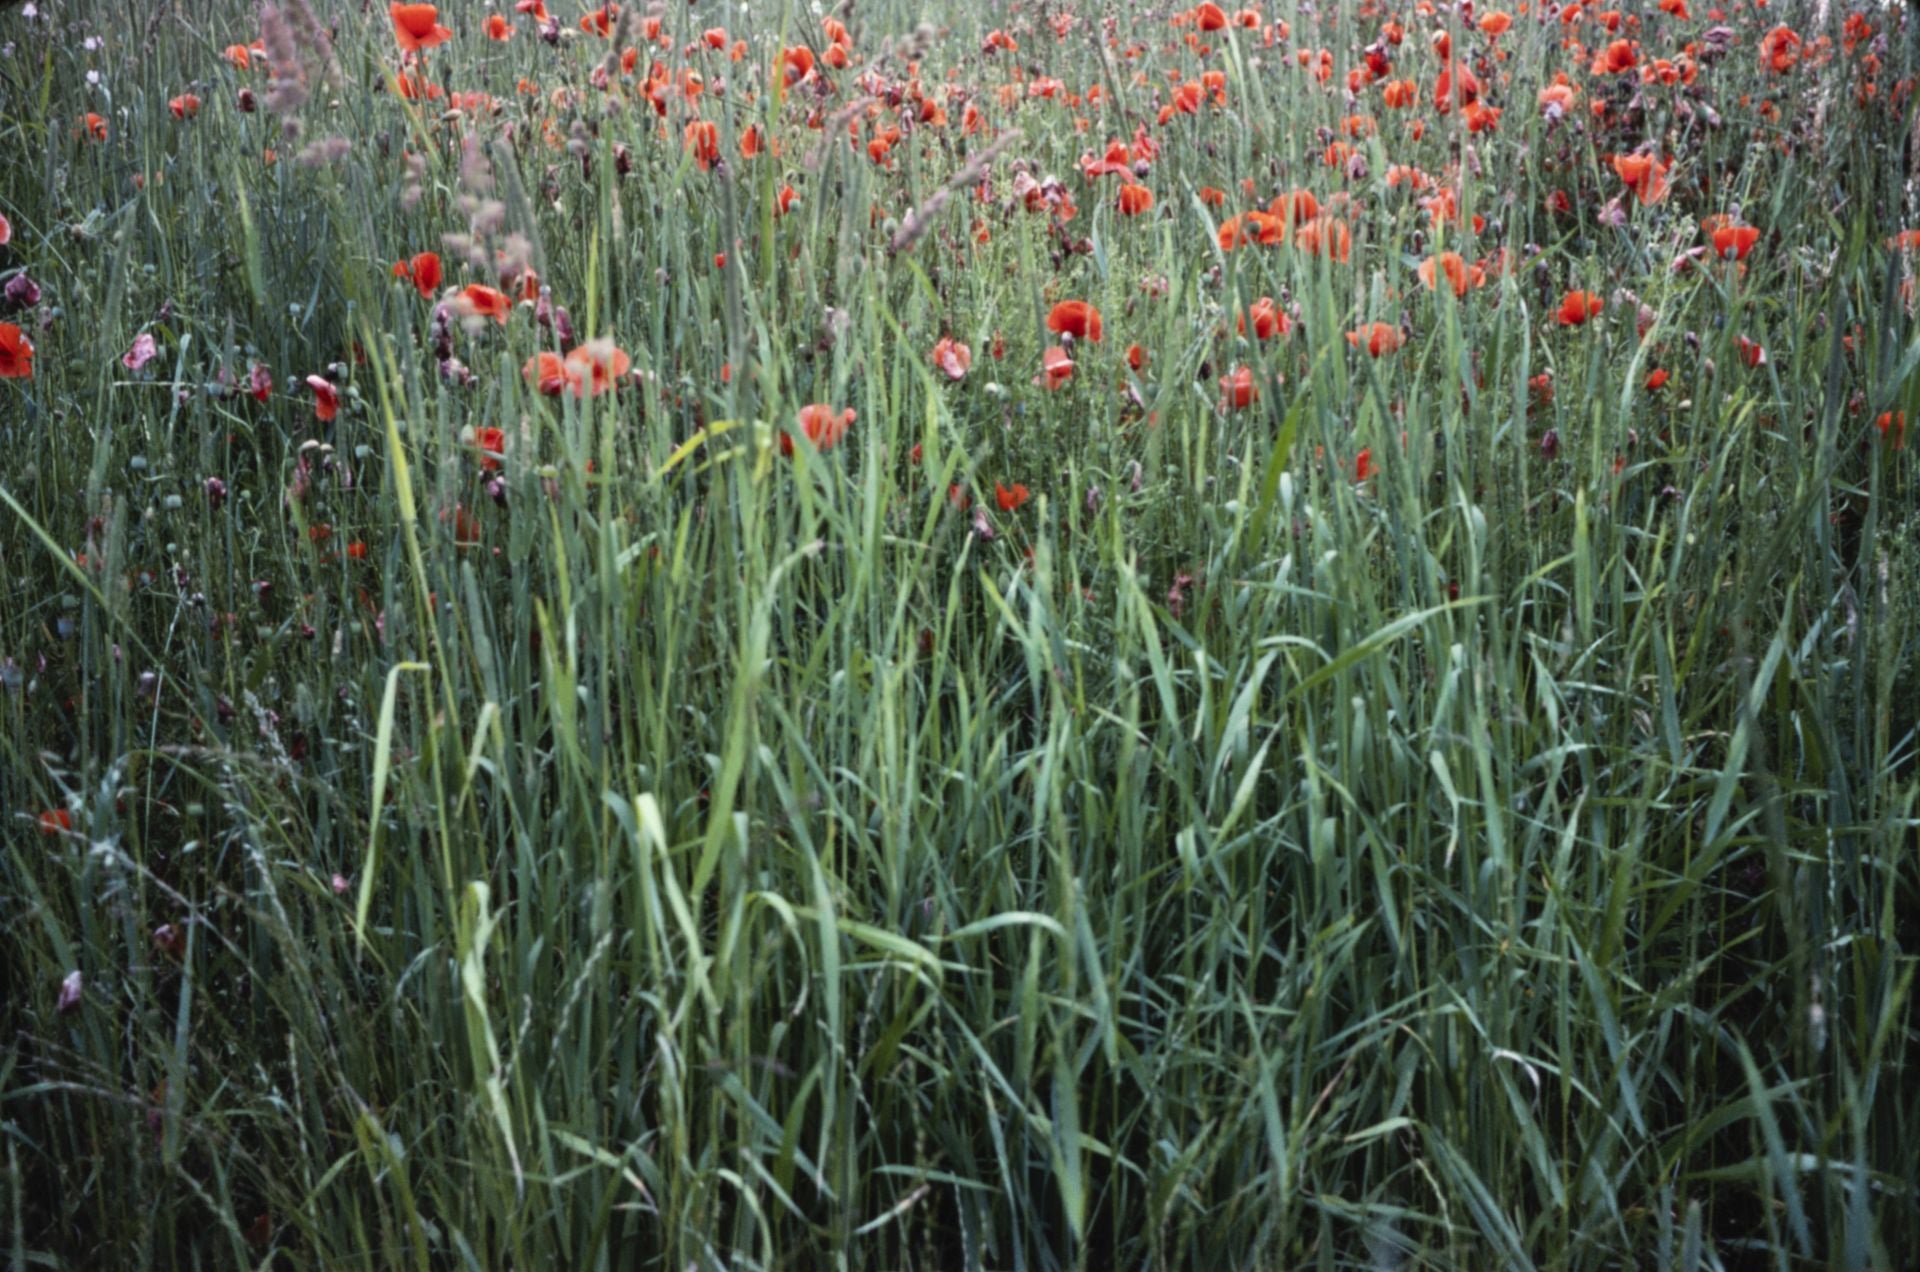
x: 1376, y: 338
x: 326, y: 398
x: 96, y: 126
x: 1556, y: 100
x: 259, y: 382
x: 1009, y: 499
x: 597, y: 366
x: 1750, y: 351
x: 185, y: 106
x: 482, y: 301
x: 417, y: 26
x: 1577, y: 306
x: 1056, y: 368
x: 16, y: 353
x: 1075, y: 318
x: 143, y: 351
x: 952, y: 357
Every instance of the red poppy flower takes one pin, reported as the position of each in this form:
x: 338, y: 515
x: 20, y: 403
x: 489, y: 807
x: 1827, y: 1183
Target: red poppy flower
x: 1733, y: 242
x: 1377, y: 338
x: 796, y: 65
x: 548, y: 374
x: 1657, y: 380
x: 1577, y: 306
x: 1268, y: 320
x: 498, y: 28
x: 486, y: 302
x: 1645, y: 175
x: 1780, y: 49
x: 492, y: 443
x: 185, y: 106
x: 1892, y: 427
x: 1751, y: 352
x: 1240, y: 389
x: 417, y: 26
x: 6, y: 230
x: 1210, y: 17
x: 703, y: 142
x: 423, y: 268
x: 597, y: 366
x: 16, y: 353
x: 1075, y: 318
x: 1326, y: 236
x: 1136, y: 357
x: 1134, y: 199
x: 1460, y: 276
x: 326, y: 398
x: 55, y: 820
x: 1363, y: 465
x: 1009, y: 499
x: 823, y: 426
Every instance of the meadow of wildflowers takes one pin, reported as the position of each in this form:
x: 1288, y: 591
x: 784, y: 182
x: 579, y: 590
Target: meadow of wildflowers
x: 1006, y: 635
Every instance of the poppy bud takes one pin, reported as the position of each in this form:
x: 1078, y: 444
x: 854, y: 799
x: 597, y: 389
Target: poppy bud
x: 1550, y: 444
x: 70, y: 990
x: 245, y: 101
x: 21, y: 293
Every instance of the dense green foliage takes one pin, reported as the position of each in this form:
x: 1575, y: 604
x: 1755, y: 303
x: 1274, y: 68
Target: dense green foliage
x: 615, y: 841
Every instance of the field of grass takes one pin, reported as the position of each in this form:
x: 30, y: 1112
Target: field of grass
x: 1014, y: 636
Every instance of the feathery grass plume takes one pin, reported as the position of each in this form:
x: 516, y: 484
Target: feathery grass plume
x: 918, y: 220
x: 287, y: 86
x: 315, y: 43
x: 322, y: 151
x: 834, y: 131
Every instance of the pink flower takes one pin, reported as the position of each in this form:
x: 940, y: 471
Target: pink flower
x: 952, y: 357
x: 144, y: 351
x: 70, y: 990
